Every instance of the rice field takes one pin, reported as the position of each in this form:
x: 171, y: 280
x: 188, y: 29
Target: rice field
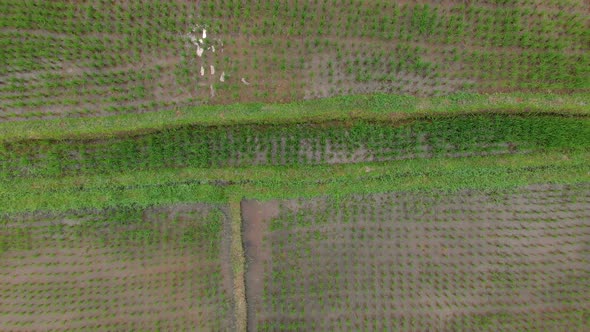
x: 301, y: 165
x: 509, y: 261
x: 97, y: 58
x: 164, y: 268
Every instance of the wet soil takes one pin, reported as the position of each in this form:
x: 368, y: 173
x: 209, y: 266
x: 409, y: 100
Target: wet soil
x: 255, y: 216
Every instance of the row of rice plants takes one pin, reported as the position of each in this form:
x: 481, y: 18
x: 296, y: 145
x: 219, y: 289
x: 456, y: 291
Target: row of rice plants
x: 295, y: 145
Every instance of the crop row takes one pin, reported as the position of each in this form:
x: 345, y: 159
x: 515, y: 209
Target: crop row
x: 322, y: 17
x: 293, y: 145
x: 440, y: 211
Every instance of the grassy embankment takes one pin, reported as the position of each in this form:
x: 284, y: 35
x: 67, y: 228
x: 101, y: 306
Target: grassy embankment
x: 180, y: 164
x: 378, y: 107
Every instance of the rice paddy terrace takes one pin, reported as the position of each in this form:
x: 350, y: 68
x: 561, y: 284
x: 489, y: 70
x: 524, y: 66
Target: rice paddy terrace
x: 337, y: 165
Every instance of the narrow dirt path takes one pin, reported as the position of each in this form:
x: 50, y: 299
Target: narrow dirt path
x: 238, y: 265
x: 255, y: 215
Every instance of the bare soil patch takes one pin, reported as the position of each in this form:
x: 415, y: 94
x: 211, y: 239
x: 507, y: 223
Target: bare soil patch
x: 255, y: 218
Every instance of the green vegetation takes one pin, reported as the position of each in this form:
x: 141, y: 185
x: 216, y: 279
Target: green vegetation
x: 168, y: 186
x: 375, y: 107
x: 240, y: 165
x: 296, y: 144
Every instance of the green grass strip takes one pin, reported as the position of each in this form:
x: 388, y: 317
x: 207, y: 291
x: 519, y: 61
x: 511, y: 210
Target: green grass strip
x: 168, y: 186
x: 295, y: 145
x: 440, y: 175
x: 14, y: 200
x: 376, y: 107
